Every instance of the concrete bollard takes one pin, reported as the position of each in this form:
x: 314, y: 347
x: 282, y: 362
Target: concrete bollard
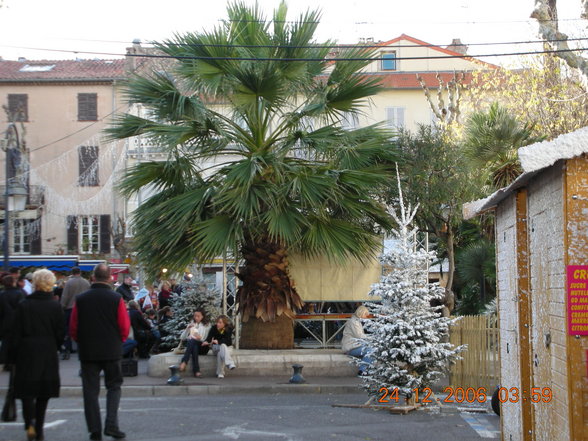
x: 175, y: 379
x: 297, y: 378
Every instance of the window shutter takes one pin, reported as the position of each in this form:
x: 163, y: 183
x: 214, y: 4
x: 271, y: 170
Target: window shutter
x: 395, y: 117
x: 36, y: 247
x: 87, y: 107
x: 349, y: 121
x: 400, y: 117
x: 18, y: 108
x: 88, y: 166
x: 72, y: 235
x: 390, y: 116
x: 105, y: 233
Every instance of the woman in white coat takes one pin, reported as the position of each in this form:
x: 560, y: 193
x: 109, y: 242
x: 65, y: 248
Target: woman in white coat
x: 196, y: 334
x: 351, y: 343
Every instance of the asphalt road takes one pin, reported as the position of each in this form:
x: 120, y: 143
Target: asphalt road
x: 291, y: 417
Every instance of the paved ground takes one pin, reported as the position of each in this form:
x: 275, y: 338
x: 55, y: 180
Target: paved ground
x: 253, y: 408
x: 143, y: 385
x: 252, y: 417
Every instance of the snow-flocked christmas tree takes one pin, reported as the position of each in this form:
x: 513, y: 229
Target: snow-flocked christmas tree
x: 195, y: 295
x: 408, y: 338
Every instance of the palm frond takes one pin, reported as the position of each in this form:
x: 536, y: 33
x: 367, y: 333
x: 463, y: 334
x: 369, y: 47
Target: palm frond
x: 290, y: 176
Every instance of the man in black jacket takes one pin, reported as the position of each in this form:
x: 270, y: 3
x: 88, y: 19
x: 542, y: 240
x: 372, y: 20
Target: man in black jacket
x: 100, y: 323
x: 126, y: 289
x: 9, y: 300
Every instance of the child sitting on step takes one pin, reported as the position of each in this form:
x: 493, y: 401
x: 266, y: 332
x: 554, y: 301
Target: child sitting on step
x: 220, y: 339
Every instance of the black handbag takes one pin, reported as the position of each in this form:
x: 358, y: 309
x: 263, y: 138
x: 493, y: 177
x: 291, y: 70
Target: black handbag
x: 9, y: 409
x: 129, y: 367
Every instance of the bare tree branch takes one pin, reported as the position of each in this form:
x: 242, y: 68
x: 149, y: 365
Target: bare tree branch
x: 429, y: 99
x: 545, y: 13
x: 451, y: 112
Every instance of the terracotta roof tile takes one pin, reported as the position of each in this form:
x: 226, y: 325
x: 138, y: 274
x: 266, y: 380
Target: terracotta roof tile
x: 408, y: 80
x: 61, y: 70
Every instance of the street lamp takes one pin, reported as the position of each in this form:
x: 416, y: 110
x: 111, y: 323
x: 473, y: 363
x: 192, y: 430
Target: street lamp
x: 15, y: 194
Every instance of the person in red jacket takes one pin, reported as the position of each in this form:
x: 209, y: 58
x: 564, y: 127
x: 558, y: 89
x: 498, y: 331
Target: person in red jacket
x: 100, y: 324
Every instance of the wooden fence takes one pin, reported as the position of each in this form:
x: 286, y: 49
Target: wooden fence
x: 480, y: 364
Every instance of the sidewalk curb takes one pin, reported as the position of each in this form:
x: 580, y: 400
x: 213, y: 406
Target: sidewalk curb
x: 184, y: 390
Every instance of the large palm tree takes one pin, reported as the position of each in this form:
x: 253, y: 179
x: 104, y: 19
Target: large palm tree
x: 491, y: 140
x: 258, y: 164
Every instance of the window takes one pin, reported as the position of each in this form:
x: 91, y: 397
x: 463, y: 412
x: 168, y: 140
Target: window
x: 87, y: 107
x: 88, y: 166
x: 18, y: 107
x: 37, y: 68
x: 21, y: 234
x: 349, y: 121
x: 395, y: 117
x: 389, y: 61
x: 89, y: 234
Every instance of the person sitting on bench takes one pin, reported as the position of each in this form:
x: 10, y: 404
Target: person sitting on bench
x: 352, y: 335
x: 196, y: 333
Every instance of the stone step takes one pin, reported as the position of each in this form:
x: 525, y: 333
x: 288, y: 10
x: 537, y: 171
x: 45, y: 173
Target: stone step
x: 254, y: 362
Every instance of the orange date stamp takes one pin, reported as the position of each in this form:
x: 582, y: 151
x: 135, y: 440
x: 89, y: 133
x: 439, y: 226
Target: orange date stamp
x: 471, y: 395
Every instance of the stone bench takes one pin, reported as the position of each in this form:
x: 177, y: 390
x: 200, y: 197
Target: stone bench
x: 258, y: 362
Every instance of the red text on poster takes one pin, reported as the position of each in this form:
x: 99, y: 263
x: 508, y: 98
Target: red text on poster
x: 577, y: 284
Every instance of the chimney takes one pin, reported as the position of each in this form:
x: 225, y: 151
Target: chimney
x: 131, y: 62
x: 457, y: 46
x: 366, y: 40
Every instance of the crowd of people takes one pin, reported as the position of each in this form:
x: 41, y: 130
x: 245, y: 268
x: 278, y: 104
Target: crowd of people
x: 41, y: 317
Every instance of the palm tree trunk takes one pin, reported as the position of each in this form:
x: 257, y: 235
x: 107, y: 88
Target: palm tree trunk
x: 267, y: 299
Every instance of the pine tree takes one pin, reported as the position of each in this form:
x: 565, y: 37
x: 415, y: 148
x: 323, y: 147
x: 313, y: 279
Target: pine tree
x: 195, y: 295
x: 407, y: 336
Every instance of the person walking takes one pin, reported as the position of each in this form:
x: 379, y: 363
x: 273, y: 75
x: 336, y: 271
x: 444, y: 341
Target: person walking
x: 100, y: 324
x: 10, y: 297
x: 74, y: 286
x: 36, y: 335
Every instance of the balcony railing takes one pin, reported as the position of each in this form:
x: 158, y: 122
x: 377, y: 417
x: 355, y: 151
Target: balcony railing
x: 145, y: 151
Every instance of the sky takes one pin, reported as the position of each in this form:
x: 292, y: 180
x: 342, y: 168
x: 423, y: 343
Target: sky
x: 109, y: 26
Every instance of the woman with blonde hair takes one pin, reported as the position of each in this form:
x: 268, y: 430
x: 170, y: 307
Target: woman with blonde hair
x: 165, y: 294
x: 220, y: 337
x: 353, y: 334
x: 36, y: 336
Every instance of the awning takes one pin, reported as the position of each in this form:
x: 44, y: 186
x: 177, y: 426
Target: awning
x: 55, y: 263
x: 88, y: 265
x: 62, y: 263
x: 119, y: 268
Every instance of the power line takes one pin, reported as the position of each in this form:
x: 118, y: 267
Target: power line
x: 371, y: 46
x: 181, y: 57
x: 528, y: 20
x: 334, y: 46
